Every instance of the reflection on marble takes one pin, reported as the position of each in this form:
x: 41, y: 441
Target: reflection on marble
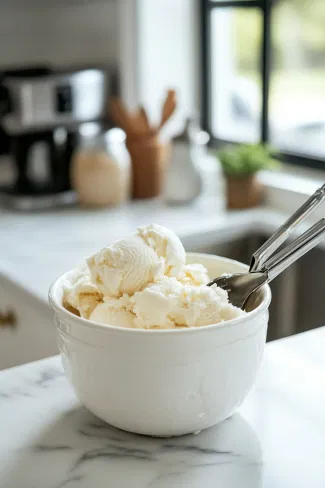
x: 49, y: 441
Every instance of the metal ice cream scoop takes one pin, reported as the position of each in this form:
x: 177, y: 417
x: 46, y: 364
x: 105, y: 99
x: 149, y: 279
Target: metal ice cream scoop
x: 265, y: 264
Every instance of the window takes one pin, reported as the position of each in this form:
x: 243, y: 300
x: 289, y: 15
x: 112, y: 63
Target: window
x: 264, y: 75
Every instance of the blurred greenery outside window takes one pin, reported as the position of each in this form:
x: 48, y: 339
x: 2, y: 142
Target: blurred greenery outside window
x: 264, y: 75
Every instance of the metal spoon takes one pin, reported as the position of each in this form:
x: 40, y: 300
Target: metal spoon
x: 241, y: 286
x: 281, y: 235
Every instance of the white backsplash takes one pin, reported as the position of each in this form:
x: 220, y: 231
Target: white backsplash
x: 63, y: 33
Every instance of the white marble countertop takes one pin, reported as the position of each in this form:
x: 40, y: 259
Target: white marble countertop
x: 48, y: 440
x: 36, y: 248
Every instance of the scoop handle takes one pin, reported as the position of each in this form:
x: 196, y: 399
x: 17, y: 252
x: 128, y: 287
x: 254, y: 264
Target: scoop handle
x: 282, y: 234
x: 300, y: 246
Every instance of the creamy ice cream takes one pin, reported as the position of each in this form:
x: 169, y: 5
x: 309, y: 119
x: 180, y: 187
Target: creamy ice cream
x: 81, y: 294
x: 132, y: 263
x: 170, y: 304
x: 193, y: 274
x: 156, y: 304
x: 166, y: 245
x: 126, y: 266
x: 143, y: 282
x: 113, y: 314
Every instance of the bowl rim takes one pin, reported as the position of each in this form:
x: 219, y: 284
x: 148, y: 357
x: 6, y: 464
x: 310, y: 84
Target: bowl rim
x: 260, y: 309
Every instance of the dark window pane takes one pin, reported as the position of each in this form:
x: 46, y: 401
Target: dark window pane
x: 297, y: 97
x: 235, y: 96
x: 228, y: 1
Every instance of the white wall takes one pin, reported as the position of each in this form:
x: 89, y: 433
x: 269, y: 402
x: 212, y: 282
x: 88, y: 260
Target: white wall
x: 168, y: 55
x: 155, y: 43
x: 62, y: 33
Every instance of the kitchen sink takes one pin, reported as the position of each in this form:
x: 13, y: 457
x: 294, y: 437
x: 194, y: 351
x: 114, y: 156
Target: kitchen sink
x: 297, y: 303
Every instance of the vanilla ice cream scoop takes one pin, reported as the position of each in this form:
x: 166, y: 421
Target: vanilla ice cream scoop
x: 126, y: 266
x: 155, y: 306
x: 194, y: 274
x: 81, y: 294
x: 130, y: 264
x: 203, y: 305
x: 166, y: 245
x: 169, y: 304
x: 143, y: 281
x: 113, y: 312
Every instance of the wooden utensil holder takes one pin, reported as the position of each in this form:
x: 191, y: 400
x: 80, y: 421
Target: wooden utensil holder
x: 149, y: 160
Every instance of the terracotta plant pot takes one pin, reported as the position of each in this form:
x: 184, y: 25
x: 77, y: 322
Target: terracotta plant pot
x: 243, y: 191
x: 149, y: 161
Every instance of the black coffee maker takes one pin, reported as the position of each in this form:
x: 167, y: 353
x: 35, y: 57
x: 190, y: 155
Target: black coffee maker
x: 42, y: 161
x: 41, y: 111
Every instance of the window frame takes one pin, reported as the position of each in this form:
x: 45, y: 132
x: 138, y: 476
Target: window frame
x: 206, y: 7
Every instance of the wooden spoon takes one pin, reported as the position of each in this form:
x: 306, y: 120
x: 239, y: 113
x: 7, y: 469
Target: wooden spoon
x: 121, y: 116
x: 141, y: 122
x: 168, y: 108
x: 143, y: 116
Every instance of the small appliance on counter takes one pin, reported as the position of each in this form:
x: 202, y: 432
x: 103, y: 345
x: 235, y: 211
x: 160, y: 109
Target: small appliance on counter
x: 41, y: 112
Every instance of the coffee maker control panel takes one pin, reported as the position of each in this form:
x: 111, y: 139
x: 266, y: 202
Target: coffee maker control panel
x: 64, y: 102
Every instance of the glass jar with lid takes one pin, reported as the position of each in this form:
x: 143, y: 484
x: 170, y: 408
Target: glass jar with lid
x: 100, y: 169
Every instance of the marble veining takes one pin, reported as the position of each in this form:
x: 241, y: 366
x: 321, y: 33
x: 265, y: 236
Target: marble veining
x: 51, y: 441
x: 48, y: 440
x: 27, y: 389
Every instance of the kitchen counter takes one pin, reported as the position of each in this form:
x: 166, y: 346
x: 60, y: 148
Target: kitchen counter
x: 48, y: 440
x: 35, y: 248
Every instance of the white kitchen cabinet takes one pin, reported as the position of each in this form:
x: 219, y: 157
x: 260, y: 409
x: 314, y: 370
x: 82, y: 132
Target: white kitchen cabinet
x: 27, y: 331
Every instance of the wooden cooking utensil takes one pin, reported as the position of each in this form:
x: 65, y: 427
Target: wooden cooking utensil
x: 144, y: 118
x: 141, y: 122
x: 168, y: 108
x: 149, y: 156
x: 121, y: 115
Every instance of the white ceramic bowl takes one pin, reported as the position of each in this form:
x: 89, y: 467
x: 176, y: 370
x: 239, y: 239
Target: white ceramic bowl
x: 163, y: 382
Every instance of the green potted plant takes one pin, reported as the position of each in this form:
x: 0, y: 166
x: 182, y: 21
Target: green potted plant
x: 240, y: 165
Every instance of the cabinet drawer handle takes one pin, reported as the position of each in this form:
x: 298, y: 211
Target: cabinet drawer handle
x: 8, y: 319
